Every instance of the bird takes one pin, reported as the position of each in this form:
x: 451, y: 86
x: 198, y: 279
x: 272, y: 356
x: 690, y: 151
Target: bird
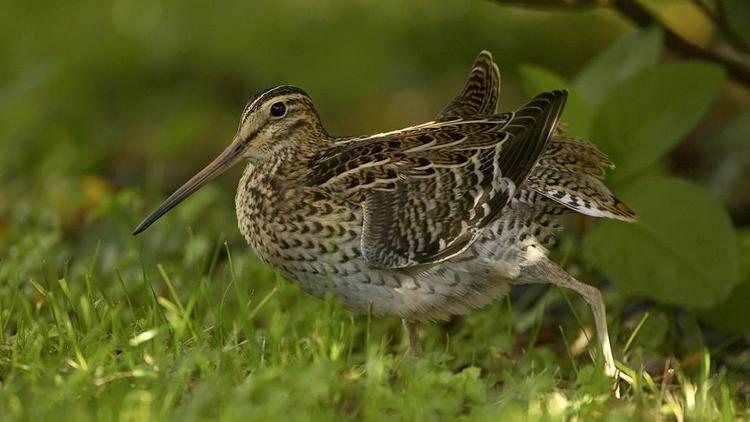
x: 423, y: 223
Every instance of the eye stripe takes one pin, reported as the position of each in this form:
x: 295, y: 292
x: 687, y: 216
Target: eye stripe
x: 298, y: 124
x: 279, y: 93
x: 253, y: 134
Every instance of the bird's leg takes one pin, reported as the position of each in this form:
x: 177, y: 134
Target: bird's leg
x: 415, y: 345
x: 549, y: 272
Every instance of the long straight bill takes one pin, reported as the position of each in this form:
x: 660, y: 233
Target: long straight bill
x: 218, y: 166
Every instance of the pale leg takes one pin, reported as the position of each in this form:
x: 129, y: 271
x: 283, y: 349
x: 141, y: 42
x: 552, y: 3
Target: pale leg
x: 415, y: 345
x: 549, y: 272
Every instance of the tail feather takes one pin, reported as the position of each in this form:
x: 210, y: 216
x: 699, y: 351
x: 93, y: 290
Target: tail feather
x: 570, y: 172
x: 575, y: 155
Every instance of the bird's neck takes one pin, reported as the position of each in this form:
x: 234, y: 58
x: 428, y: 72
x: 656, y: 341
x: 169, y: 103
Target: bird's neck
x: 282, y: 168
x: 272, y: 190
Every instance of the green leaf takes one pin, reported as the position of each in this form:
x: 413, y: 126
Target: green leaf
x: 709, y: 4
x: 577, y: 115
x: 729, y: 143
x: 624, y: 58
x: 731, y: 314
x: 738, y: 17
x: 681, y: 251
x: 648, y: 114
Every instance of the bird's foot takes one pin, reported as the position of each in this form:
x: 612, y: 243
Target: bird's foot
x: 620, y: 378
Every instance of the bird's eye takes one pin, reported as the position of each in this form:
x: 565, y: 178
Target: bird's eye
x: 278, y: 109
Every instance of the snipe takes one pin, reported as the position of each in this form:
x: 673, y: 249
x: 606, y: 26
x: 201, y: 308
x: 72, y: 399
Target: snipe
x: 424, y: 222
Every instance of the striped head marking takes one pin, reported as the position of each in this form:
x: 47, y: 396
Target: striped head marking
x: 275, y: 118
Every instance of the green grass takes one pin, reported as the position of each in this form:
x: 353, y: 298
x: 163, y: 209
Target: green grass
x: 188, y: 325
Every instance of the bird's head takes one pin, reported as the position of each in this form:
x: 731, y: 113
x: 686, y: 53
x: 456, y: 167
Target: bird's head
x: 273, y: 120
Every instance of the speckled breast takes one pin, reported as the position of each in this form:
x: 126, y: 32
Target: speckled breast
x: 311, y: 237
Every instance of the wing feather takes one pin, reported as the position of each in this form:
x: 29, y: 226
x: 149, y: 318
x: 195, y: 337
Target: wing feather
x: 426, y: 192
x: 481, y: 91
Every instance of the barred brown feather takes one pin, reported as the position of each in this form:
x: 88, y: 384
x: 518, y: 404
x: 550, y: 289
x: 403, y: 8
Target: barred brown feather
x: 481, y: 91
x: 427, y: 192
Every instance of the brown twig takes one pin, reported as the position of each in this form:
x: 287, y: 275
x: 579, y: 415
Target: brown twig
x: 641, y: 17
x: 719, y: 18
x: 737, y: 68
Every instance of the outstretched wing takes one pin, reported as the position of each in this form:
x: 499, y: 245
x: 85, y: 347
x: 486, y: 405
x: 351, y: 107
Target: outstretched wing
x: 481, y: 91
x: 427, y: 191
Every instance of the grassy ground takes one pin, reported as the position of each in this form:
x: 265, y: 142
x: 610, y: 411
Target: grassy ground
x: 177, y: 324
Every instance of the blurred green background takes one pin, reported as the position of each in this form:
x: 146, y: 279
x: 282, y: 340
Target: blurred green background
x: 107, y: 106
